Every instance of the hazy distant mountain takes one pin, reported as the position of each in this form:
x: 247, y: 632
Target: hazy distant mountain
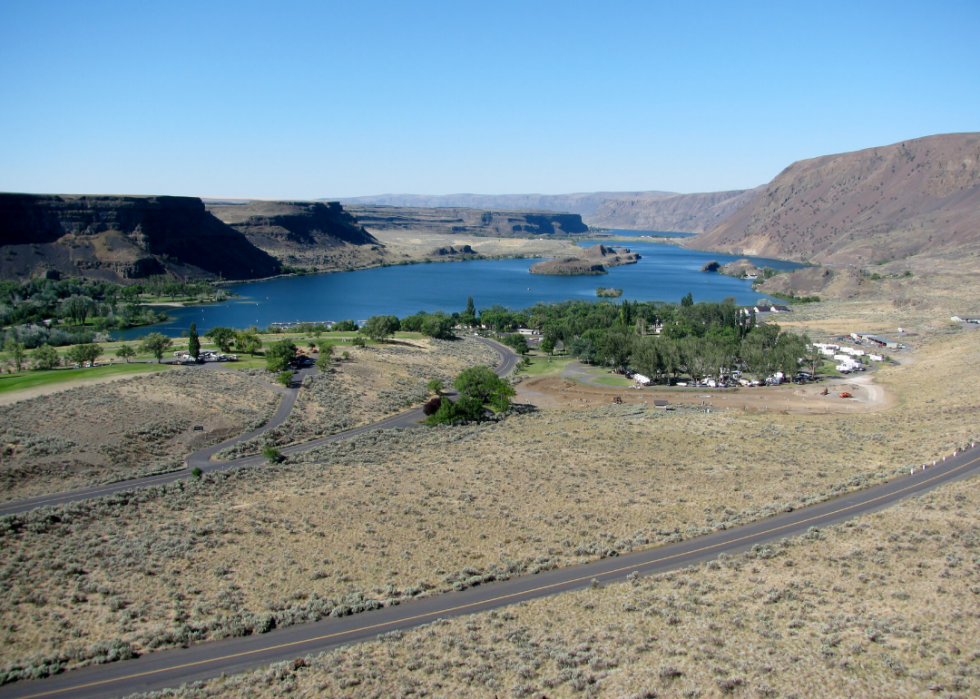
x: 584, y: 204
x: 916, y: 198
x: 685, y: 213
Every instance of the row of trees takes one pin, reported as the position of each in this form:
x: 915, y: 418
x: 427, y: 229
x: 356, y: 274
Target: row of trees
x: 47, y: 357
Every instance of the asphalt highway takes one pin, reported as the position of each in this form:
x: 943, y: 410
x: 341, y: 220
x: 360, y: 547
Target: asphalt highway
x: 203, y: 459
x: 171, y: 668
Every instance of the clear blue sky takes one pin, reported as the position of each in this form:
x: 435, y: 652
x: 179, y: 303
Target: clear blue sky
x: 312, y: 99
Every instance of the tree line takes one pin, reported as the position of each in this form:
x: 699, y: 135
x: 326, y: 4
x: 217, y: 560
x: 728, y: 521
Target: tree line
x: 660, y: 340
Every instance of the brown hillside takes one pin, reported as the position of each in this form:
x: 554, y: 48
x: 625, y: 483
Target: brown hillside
x: 683, y: 213
x: 917, y: 199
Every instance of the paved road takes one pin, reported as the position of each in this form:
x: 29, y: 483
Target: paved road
x: 202, y: 459
x: 171, y: 668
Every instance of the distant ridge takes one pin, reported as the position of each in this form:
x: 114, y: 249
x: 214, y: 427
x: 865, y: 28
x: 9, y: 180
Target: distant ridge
x: 583, y: 204
x: 682, y: 213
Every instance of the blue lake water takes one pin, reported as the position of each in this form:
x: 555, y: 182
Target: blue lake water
x: 664, y: 273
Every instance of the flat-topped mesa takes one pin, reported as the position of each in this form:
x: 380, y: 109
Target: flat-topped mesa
x: 461, y: 221
x: 593, y: 260
x: 122, y: 237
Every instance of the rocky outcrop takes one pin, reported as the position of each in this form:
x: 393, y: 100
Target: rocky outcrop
x: 740, y: 268
x: 451, y: 251
x: 469, y: 221
x: 910, y: 203
x: 592, y: 260
x: 681, y: 213
x: 712, y: 266
x: 568, y: 266
x: 122, y: 237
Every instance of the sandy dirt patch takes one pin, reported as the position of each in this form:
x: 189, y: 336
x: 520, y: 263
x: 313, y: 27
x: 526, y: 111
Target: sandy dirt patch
x: 560, y: 392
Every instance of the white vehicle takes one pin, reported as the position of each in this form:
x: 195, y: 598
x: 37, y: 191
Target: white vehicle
x: 845, y: 368
x: 876, y: 357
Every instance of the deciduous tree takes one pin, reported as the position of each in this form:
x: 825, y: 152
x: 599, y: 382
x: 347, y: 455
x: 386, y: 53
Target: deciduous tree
x: 156, y: 344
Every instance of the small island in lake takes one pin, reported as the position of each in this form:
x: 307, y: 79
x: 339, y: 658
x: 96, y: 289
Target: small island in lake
x: 592, y: 260
x: 608, y: 293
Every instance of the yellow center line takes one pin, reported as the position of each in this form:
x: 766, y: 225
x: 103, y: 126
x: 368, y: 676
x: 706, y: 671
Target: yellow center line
x: 501, y: 598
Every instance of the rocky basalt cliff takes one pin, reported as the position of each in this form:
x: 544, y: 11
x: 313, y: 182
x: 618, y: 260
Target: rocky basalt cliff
x: 122, y: 237
x: 296, y: 222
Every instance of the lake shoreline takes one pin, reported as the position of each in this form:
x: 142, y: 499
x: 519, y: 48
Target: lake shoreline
x: 664, y: 273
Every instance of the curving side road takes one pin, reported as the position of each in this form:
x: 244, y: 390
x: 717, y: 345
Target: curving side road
x: 203, y: 459
x: 171, y: 668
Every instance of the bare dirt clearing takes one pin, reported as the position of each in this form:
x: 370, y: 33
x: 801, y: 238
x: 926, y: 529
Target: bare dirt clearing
x: 560, y: 392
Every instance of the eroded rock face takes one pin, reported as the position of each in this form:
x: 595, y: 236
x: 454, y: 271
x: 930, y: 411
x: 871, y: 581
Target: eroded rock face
x: 122, y: 237
x: 296, y: 222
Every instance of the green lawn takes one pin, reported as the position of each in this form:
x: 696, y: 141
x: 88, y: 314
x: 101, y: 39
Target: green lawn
x: 618, y: 381
x: 32, y: 379
x: 546, y: 366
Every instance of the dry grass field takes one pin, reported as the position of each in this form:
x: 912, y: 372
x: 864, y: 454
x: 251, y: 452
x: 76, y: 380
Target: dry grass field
x: 390, y: 515
x: 127, y: 428
x: 884, y: 606
x: 376, y: 381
